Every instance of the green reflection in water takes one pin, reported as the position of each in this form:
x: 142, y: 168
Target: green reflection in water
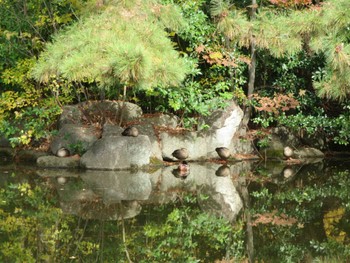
x: 305, y: 219
x: 34, y: 229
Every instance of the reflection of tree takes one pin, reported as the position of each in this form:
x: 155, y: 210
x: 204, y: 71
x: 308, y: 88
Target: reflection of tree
x: 243, y: 189
x: 297, y: 216
x: 33, y: 229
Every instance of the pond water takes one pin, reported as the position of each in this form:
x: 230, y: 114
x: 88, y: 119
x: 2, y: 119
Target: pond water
x: 250, y: 211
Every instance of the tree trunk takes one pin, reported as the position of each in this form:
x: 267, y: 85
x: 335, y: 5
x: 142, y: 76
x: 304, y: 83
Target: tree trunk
x: 251, y: 69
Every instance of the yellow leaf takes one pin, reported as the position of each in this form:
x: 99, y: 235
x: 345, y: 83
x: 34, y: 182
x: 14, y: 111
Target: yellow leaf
x: 216, y: 55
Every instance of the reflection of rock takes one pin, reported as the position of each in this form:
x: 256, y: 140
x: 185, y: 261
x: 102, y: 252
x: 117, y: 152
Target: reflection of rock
x: 116, y: 194
x: 99, y: 210
x: 62, y: 180
x: 223, y: 198
x: 57, y: 172
x: 115, y: 186
x: 58, y: 162
x: 288, y: 172
x: 77, y: 198
x: 117, y: 211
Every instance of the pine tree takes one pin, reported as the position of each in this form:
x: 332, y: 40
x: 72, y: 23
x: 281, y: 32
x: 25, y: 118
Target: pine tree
x: 323, y: 29
x: 120, y: 43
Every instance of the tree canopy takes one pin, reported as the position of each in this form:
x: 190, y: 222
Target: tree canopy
x: 123, y: 42
x: 318, y: 29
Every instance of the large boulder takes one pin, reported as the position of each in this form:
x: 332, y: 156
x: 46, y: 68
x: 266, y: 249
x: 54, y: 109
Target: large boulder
x: 117, y: 153
x: 222, y: 126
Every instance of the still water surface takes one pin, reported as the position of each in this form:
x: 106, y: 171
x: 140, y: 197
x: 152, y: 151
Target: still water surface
x: 239, y: 212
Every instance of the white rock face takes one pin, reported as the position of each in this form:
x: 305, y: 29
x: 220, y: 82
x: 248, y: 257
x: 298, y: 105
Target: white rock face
x: 223, y: 125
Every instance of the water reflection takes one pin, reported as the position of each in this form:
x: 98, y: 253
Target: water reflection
x: 306, y: 192
x: 131, y: 189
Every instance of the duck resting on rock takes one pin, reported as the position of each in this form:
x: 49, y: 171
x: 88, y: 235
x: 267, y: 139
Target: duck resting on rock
x: 63, y: 152
x: 180, y: 154
x: 223, y: 152
x: 288, y: 152
x: 131, y: 131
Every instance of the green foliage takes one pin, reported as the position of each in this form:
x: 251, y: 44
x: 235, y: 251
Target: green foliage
x: 27, y: 114
x: 20, y: 214
x: 77, y: 148
x: 192, y: 100
x: 27, y: 25
x: 33, y: 227
x: 119, y: 45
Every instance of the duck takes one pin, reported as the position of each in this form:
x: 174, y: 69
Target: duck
x: 223, y: 171
x: 223, y: 152
x: 131, y: 131
x: 288, y: 152
x: 63, y: 152
x: 180, y: 154
x: 182, y: 171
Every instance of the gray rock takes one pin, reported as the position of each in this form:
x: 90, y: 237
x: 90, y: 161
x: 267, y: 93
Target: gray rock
x: 74, y: 137
x: 161, y: 120
x: 223, y: 125
x: 118, y: 152
x: 148, y: 129
x: 71, y: 114
x: 111, y: 130
x: 86, y: 112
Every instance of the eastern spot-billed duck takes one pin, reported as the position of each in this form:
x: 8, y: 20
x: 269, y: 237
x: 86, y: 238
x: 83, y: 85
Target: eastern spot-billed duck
x: 63, y: 152
x: 131, y: 131
x: 180, y: 154
x: 223, y: 152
